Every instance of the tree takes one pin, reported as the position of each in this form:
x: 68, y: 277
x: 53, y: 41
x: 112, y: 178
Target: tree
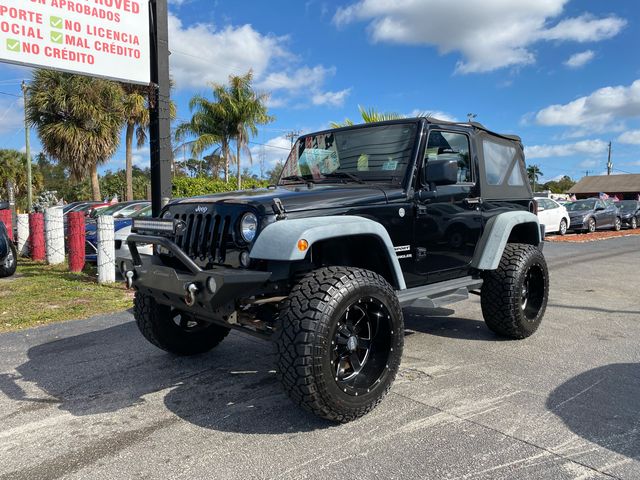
x: 369, y: 115
x: 534, y: 173
x: 137, y: 118
x: 211, y: 126
x: 13, y: 169
x: 78, y: 120
x: 559, y: 186
x: 273, y: 175
x: 247, y: 109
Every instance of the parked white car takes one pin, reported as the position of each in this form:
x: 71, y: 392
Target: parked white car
x: 122, y: 249
x: 553, y: 216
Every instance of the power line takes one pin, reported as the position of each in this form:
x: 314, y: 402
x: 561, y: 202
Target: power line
x: 11, y: 94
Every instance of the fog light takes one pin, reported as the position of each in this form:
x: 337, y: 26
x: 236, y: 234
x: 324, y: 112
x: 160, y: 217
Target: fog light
x: 245, y: 259
x: 211, y: 285
x: 303, y: 245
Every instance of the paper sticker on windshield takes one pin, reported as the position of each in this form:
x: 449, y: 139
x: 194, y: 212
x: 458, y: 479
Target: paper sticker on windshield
x: 390, y: 165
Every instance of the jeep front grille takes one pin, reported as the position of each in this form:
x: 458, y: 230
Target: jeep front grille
x: 205, y: 236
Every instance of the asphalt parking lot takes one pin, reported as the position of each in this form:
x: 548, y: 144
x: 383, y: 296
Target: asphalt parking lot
x: 92, y: 399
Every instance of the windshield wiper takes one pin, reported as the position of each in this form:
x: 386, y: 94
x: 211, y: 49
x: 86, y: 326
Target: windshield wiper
x: 298, y: 178
x: 344, y: 175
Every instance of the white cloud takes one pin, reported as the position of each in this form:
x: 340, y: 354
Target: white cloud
x: 201, y: 54
x: 584, y: 147
x: 490, y: 34
x: 580, y: 59
x: 11, y: 114
x: 332, y: 99
x: 603, y: 106
x: 438, y: 114
x: 631, y: 137
x: 273, y: 151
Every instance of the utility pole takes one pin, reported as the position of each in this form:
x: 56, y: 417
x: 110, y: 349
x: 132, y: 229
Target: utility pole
x: 471, y: 117
x: 586, y: 173
x: 609, y: 164
x: 28, y: 149
x: 293, y: 135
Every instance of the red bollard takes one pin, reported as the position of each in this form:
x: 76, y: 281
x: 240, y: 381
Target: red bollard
x: 76, y: 240
x: 36, y: 236
x: 6, y: 218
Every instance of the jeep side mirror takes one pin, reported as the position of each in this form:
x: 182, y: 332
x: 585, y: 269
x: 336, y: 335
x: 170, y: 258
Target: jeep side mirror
x: 440, y: 172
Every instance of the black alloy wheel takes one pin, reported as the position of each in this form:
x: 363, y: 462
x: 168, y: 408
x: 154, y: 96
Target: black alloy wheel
x: 361, y: 346
x: 532, y: 294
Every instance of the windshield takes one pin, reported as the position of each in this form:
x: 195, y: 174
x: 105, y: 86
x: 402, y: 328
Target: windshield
x: 107, y: 210
x: 144, y: 212
x: 376, y: 153
x: 627, y: 205
x: 581, y: 205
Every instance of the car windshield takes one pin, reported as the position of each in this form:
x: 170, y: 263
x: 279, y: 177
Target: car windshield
x: 110, y: 210
x: 627, y: 205
x: 370, y: 153
x: 581, y: 205
x: 144, y: 212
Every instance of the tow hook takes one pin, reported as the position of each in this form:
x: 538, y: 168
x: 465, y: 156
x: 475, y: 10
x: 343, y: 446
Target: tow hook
x: 128, y: 278
x: 190, y: 295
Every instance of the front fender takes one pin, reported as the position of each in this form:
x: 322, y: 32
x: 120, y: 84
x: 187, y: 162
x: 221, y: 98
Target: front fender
x: 496, y: 235
x: 279, y: 240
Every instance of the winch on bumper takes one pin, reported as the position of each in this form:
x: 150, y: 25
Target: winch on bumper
x: 207, y: 293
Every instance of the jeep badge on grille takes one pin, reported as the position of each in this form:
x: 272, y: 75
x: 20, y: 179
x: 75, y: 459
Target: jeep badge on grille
x: 202, y: 209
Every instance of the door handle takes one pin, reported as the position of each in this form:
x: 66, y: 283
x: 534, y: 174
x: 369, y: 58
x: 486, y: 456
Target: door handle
x: 473, y: 200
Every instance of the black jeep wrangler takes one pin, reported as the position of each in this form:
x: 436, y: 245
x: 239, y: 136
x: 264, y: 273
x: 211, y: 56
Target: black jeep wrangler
x: 364, y: 221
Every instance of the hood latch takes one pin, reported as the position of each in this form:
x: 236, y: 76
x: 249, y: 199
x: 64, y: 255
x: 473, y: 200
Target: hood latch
x: 278, y: 209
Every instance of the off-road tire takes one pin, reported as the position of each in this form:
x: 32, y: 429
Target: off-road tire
x: 562, y: 229
x: 156, y: 323
x: 10, y: 264
x: 502, y: 292
x: 309, y: 317
x: 617, y: 224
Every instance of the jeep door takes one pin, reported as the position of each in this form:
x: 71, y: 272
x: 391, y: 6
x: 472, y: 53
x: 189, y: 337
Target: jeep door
x: 448, y: 221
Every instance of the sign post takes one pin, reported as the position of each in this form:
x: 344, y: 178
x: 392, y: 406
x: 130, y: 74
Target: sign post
x: 160, y: 125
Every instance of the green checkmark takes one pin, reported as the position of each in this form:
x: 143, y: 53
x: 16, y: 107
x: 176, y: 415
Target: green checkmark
x: 56, y: 37
x: 56, y: 22
x: 13, y: 45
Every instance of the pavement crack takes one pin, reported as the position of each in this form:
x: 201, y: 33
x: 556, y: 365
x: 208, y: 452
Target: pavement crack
x: 513, y: 437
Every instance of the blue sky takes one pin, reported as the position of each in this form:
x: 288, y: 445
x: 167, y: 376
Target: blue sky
x: 564, y: 75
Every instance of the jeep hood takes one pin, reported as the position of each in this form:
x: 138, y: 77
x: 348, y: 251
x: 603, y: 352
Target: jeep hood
x: 300, y: 197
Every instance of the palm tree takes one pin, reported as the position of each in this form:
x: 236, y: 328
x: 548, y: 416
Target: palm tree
x: 369, y: 115
x: 247, y: 109
x: 210, y: 125
x: 137, y: 118
x: 78, y: 120
x: 534, y: 173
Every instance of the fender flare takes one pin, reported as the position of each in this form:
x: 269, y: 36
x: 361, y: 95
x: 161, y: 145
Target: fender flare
x: 496, y: 235
x: 279, y: 240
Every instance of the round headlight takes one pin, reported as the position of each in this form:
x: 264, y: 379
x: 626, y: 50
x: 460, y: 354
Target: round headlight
x: 166, y: 215
x: 248, y: 227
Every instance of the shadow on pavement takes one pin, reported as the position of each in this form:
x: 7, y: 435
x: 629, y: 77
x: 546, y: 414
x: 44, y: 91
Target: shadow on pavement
x: 438, y: 322
x: 233, y: 388
x: 603, y: 406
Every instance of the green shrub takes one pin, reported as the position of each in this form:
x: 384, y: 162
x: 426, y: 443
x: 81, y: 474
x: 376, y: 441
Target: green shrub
x: 191, y: 187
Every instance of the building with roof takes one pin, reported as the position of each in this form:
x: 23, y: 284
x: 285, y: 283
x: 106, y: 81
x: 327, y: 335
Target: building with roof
x: 622, y: 186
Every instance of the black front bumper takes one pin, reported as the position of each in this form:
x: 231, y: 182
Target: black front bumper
x: 170, y: 286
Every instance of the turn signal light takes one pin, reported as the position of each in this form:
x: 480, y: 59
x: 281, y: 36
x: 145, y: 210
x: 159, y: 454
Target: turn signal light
x: 303, y: 245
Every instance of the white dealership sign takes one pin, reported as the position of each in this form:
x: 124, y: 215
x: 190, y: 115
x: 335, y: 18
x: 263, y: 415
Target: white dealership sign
x: 104, y: 38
